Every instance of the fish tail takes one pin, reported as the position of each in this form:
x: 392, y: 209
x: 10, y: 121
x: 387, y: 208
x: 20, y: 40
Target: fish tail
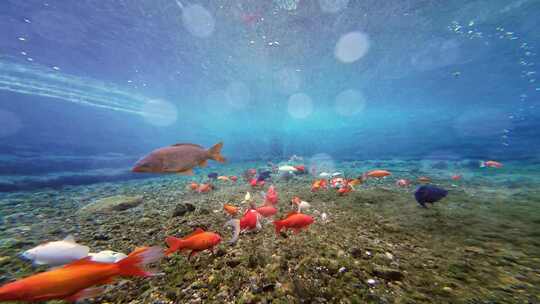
x: 482, y: 164
x: 174, y: 244
x: 278, y: 225
x: 215, y: 153
x: 235, y: 223
x: 134, y: 264
x: 363, y: 177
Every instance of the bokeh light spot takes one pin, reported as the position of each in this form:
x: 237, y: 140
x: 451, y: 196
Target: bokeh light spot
x: 351, y: 47
x: 333, y: 6
x: 288, y: 80
x: 321, y: 162
x: 350, y: 102
x: 237, y: 95
x: 160, y: 113
x: 198, y: 20
x: 300, y: 106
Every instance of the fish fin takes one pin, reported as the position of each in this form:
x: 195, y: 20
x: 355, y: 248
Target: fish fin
x: 135, y: 261
x: 186, y: 172
x: 174, y: 244
x: 482, y: 164
x: 84, y: 261
x: 235, y: 223
x: 184, y: 144
x: 192, y: 254
x: 291, y: 214
x: 203, y: 164
x: 195, y: 232
x: 70, y: 238
x: 278, y: 226
x: 91, y: 292
x: 215, y: 153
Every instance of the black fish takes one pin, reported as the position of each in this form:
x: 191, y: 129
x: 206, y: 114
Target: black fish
x: 429, y: 194
x: 263, y: 175
x: 212, y: 175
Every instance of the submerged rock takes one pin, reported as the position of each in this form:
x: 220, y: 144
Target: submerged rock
x: 111, y: 204
x: 182, y: 209
x: 388, y: 274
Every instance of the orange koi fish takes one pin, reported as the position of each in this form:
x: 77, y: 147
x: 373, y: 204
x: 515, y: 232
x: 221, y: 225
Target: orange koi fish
x: 230, y: 209
x: 197, y: 241
x: 375, y: 174
x: 75, y: 281
x: 295, y: 221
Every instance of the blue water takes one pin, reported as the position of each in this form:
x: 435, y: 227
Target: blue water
x: 436, y: 78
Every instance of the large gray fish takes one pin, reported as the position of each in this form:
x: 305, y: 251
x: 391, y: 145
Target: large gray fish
x: 179, y: 158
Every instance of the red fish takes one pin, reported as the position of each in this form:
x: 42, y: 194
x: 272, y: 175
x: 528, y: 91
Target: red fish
x: 74, y: 281
x: 344, y: 189
x: 266, y: 211
x: 233, y: 178
x: 197, y: 241
x: 271, y: 196
x: 254, y: 183
x: 337, y: 182
x: 194, y: 186
x: 300, y: 168
x: 249, y: 221
x: 295, y: 221
x: 456, y: 177
x: 491, y: 164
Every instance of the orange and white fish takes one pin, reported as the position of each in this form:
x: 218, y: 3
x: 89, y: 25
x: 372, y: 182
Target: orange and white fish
x: 491, y: 164
x: 223, y: 178
x: 230, y: 209
x: 197, y: 241
x: 403, y: 182
x: 295, y: 221
x: 300, y: 204
x: 354, y: 182
x: 194, y: 186
x: 319, y: 184
x: 205, y: 188
x: 75, y: 281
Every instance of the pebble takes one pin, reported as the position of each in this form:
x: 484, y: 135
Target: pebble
x: 371, y: 282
